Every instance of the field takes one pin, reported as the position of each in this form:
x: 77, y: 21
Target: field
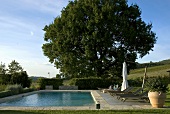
x: 151, y: 71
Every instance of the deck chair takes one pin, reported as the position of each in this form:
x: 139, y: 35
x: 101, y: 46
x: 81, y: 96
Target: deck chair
x: 127, y: 90
x: 135, y: 97
x: 138, y: 91
x: 101, y: 89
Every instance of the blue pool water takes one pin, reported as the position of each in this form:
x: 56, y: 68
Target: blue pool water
x: 53, y: 99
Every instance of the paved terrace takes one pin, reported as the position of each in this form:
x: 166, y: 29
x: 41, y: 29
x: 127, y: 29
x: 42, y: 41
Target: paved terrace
x: 107, y: 102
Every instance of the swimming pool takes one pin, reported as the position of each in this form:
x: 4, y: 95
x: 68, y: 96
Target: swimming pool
x: 53, y: 98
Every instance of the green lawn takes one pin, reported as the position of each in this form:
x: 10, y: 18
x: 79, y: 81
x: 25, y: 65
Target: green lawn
x: 167, y: 102
x: 156, y: 111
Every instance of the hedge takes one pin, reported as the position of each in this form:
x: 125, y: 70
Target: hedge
x: 93, y: 83
x: 55, y: 82
x: 10, y: 93
x: 5, y: 93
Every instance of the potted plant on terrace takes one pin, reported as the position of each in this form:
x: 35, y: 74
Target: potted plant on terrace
x: 157, y: 91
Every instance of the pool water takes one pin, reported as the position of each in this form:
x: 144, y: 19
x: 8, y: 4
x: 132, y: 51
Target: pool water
x: 53, y: 99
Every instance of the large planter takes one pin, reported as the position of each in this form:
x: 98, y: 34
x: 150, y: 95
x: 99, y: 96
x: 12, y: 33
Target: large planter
x: 157, y: 99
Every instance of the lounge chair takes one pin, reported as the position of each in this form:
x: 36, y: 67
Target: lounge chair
x: 127, y: 90
x: 135, y: 97
x: 119, y: 95
x: 104, y: 90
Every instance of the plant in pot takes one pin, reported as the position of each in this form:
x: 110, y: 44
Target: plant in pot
x: 157, y: 91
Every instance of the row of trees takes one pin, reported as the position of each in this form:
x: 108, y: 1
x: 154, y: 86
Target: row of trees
x: 94, y: 38
x: 14, y: 74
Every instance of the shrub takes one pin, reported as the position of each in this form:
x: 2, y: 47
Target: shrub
x: 136, y: 82
x: 5, y: 93
x: 2, y: 87
x: 156, y: 84
x: 15, y: 89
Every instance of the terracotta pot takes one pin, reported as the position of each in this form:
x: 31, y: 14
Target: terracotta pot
x: 157, y: 99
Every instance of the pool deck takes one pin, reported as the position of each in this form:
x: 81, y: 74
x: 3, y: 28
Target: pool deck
x: 107, y: 102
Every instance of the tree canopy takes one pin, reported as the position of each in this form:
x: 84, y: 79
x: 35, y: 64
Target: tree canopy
x: 14, y: 67
x: 94, y: 38
x: 2, y: 68
x: 14, y: 74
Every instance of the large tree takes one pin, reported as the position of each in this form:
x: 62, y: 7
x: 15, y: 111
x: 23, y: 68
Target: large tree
x: 94, y: 38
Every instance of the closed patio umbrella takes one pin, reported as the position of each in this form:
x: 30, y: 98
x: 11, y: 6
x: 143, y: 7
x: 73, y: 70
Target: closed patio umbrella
x: 124, y: 75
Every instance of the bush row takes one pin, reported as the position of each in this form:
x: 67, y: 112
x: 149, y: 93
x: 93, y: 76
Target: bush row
x: 93, y: 83
x: 7, y: 93
x: 55, y: 82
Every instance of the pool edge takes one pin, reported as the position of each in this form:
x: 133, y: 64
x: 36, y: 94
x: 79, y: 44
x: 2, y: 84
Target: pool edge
x: 95, y: 95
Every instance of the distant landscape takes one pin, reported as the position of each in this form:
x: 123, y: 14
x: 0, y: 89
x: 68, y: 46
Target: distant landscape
x: 153, y: 69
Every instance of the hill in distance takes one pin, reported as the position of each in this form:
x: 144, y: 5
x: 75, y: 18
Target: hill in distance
x: 35, y: 78
x: 153, y: 69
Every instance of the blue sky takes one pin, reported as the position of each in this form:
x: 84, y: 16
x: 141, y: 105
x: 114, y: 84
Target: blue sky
x: 21, y: 34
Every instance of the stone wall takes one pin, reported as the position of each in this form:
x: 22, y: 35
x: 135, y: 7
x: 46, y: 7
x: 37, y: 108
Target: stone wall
x: 49, y: 87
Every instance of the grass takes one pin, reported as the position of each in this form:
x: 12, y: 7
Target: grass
x: 167, y: 101
x: 156, y: 111
x: 151, y: 71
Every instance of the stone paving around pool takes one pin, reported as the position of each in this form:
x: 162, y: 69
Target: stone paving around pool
x: 107, y: 102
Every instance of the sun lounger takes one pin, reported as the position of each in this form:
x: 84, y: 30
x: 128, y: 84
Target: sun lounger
x: 138, y: 91
x: 135, y: 97
x: 113, y: 92
x: 103, y: 90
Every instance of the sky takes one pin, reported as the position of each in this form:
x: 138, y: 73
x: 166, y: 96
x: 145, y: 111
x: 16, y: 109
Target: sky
x: 21, y: 34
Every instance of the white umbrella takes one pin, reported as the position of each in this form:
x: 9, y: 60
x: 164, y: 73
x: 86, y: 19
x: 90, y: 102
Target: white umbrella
x: 124, y: 74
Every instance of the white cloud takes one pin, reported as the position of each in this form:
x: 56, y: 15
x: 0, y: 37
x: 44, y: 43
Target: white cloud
x: 38, y: 69
x: 32, y: 33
